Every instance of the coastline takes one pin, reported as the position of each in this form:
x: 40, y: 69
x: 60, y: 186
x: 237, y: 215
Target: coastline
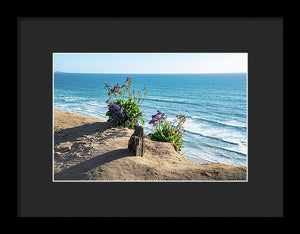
x: 198, y: 160
x: 87, y: 148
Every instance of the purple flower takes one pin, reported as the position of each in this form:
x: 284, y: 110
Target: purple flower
x: 154, y: 122
x: 155, y: 118
x: 116, y: 111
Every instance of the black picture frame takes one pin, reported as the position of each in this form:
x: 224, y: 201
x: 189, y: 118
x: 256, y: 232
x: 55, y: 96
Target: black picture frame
x: 260, y: 37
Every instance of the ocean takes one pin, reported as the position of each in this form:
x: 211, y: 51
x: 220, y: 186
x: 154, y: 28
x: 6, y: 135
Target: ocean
x: 215, y: 106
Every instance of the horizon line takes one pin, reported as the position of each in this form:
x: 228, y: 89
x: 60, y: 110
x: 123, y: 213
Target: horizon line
x: 152, y: 72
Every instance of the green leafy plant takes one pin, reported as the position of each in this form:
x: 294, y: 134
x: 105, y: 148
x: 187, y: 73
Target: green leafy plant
x: 168, y: 131
x: 124, y: 105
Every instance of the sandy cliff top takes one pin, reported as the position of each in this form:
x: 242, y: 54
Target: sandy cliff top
x: 86, y: 148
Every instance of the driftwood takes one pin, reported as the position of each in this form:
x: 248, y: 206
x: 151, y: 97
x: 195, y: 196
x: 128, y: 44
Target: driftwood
x: 136, y: 143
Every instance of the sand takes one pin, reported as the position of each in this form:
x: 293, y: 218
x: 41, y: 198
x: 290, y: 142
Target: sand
x: 88, y: 148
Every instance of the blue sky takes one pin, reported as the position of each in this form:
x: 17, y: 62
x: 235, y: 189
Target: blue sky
x: 150, y: 62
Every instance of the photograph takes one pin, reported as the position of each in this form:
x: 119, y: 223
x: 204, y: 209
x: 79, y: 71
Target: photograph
x: 150, y: 117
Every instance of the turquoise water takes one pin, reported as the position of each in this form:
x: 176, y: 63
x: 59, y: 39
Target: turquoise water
x: 215, y: 106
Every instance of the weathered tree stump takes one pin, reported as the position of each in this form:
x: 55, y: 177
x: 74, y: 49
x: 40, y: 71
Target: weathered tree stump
x: 136, y: 143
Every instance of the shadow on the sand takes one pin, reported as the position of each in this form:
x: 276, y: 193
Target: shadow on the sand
x: 71, y: 134
x: 77, y: 172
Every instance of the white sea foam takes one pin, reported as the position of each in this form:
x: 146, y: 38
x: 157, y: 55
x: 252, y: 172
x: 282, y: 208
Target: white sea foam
x: 211, y: 155
x: 197, y: 155
x: 72, y: 99
x: 234, y: 141
x: 234, y: 123
x: 206, y: 129
x: 97, y: 111
x: 96, y: 103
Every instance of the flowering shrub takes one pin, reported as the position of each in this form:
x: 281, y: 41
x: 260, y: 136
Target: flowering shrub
x: 168, y: 131
x: 124, y: 105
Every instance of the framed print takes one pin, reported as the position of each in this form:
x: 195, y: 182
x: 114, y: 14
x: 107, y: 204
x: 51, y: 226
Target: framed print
x: 148, y: 110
